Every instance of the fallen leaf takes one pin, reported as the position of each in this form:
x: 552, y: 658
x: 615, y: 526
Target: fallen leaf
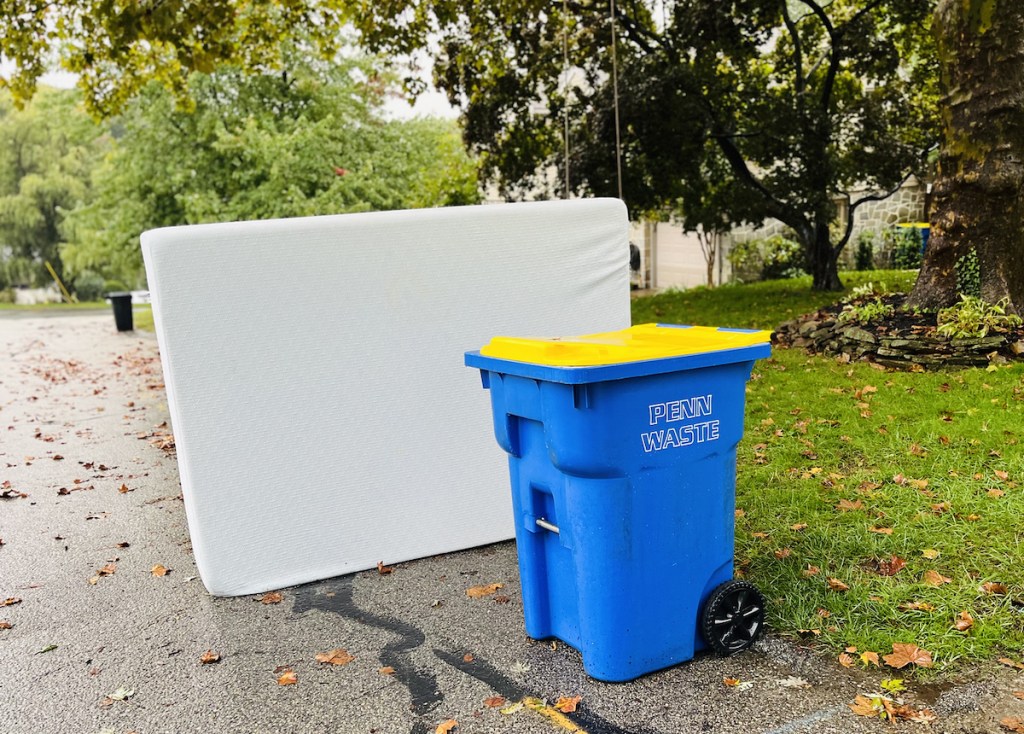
x: 10, y: 601
x: 272, y: 597
x: 502, y: 599
x: 1002, y: 475
x: 382, y: 569
x: 468, y: 658
x: 287, y: 678
x: 48, y: 648
x: 759, y: 536
x: 386, y: 670
x: 864, y: 706
x: 159, y: 570
x: 739, y: 513
x: 930, y: 553
x: 845, y: 660
x: 107, y: 570
x: 847, y: 506
x: 993, y: 587
x: 798, y: 526
x: 335, y: 657
x: 889, y: 566
x: 446, y: 726
x: 810, y: 571
x: 917, y: 606
x: 568, y: 704
x: 918, y: 716
x: 783, y: 553
x: 1011, y: 723
x: 494, y: 702
x: 1019, y: 695
x: 1012, y: 663
x: 964, y: 621
x: 793, y: 682
x: 121, y: 694
x: 995, y: 493
x: 476, y: 592
x: 941, y: 507
x: 920, y: 484
x: 934, y: 578
x: 5, y: 625
x: 869, y: 658
x: 905, y: 653
x: 209, y: 657
x: 837, y: 585
x: 731, y: 682
x: 880, y: 531
x: 123, y: 489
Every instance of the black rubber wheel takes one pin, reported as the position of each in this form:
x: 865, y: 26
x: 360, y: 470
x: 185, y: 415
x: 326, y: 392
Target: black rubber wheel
x: 733, y: 617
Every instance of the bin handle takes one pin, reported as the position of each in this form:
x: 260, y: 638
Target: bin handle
x: 542, y: 523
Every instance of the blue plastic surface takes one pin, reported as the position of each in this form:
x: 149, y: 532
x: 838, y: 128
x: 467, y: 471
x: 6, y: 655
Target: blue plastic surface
x: 635, y: 464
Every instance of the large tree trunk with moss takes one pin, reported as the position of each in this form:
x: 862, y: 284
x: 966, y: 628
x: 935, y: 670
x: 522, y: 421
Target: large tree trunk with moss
x: 979, y: 203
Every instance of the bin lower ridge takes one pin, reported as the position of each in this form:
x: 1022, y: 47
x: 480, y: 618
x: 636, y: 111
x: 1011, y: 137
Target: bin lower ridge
x: 634, y: 483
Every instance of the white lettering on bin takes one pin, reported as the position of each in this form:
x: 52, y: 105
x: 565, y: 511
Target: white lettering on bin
x: 675, y: 411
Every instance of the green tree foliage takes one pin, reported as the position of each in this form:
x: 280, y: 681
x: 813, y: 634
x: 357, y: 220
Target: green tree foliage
x: 803, y: 99
x: 46, y: 152
x: 116, y: 48
x: 306, y: 141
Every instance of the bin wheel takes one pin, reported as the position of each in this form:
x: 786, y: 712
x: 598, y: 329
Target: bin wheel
x: 733, y: 617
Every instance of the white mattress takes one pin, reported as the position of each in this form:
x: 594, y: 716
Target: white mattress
x: 323, y: 417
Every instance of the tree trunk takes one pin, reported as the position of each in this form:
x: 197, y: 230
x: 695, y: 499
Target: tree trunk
x: 978, y: 201
x: 822, y: 258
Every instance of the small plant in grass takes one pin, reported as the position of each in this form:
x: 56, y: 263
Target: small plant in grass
x: 865, y: 313
x: 973, y: 317
x: 864, y: 291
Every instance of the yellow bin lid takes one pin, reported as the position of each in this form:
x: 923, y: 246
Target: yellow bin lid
x: 635, y: 344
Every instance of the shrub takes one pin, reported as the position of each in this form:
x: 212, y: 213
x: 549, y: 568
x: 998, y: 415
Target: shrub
x: 89, y: 286
x: 973, y: 317
x: 774, y: 258
x: 865, y: 313
x: 904, y: 246
x: 112, y: 286
x: 864, y: 258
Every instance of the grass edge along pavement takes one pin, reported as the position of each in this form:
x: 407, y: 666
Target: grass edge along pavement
x: 874, y: 507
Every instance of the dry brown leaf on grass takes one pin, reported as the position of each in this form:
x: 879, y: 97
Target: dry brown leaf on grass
x: 568, y: 704
x: 869, y: 658
x: 287, y: 678
x: 798, y: 526
x: 159, y: 570
x: 930, y: 553
x: 847, y: 506
x: 888, y: 566
x: 1009, y: 662
x: 477, y: 592
x: 1002, y: 475
x: 782, y: 553
x: 272, y: 597
x: 880, y: 531
x: 964, y: 621
x: 906, y: 653
x: 335, y: 657
x: 210, y: 657
x: 993, y: 587
x: 837, y: 585
x: 810, y: 571
x: 446, y: 726
x: 494, y: 702
x: 934, y: 578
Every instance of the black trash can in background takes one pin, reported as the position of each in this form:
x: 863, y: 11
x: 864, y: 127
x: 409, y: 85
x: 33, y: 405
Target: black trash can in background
x: 122, y: 303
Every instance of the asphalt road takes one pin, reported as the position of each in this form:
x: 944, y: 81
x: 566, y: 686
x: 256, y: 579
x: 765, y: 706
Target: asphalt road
x: 97, y: 643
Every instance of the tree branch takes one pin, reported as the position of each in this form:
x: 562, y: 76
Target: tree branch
x: 853, y: 207
x: 776, y: 208
x: 636, y: 33
x: 798, y: 56
x: 860, y: 14
x: 820, y: 13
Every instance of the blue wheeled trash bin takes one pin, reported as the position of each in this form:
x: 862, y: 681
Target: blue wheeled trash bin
x: 622, y: 454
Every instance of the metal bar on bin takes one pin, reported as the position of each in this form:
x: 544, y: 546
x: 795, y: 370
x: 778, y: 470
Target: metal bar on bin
x: 541, y: 522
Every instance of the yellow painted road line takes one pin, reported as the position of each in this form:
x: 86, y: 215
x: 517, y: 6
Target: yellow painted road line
x: 552, y: 714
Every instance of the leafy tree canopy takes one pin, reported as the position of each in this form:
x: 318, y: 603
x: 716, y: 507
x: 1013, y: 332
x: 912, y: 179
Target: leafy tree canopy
x: 117, y: 48
x: 803, y: 100
x: 46, y: 152
x: 304, y: 141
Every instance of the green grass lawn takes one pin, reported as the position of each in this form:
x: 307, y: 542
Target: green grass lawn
x: 907, y: 488
x: 756, y: 305
x: 83, y: 306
